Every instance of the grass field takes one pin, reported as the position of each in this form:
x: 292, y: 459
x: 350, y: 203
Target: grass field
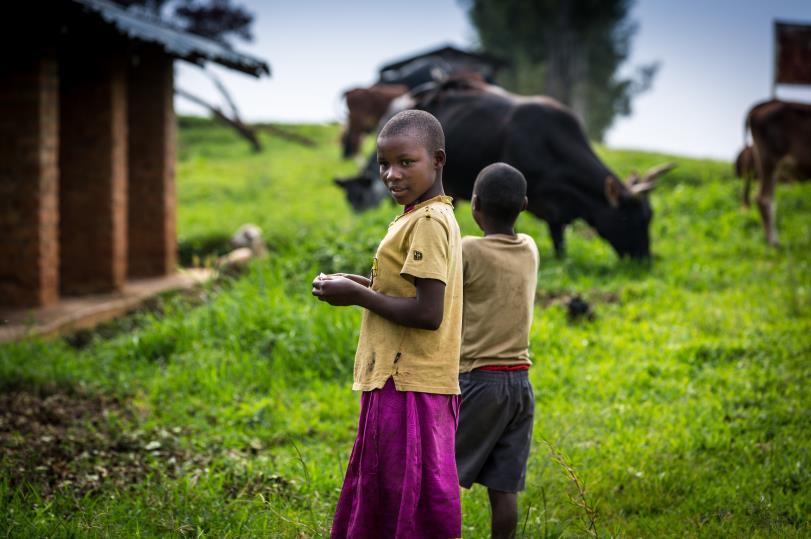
x: 682, y: 409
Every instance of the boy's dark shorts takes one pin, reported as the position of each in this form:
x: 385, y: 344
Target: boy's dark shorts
x: 495, y: 429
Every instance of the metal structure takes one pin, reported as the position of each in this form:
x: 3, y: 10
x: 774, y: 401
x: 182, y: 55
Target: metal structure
x: 182, y: 45
x: 792, y: 54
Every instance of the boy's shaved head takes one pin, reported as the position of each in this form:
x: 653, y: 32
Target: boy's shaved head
x: 416, y: 123
x: 500, y: 190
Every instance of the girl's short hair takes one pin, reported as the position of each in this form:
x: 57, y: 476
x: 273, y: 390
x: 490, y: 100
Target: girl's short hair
x: 417, y: 123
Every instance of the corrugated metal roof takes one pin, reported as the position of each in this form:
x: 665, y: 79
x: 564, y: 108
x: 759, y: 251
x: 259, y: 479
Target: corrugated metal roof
x: 450, y: 50
x: 183, y: 45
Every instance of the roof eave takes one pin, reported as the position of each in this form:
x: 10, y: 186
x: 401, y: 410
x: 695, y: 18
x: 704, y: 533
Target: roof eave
x: 182, y: 45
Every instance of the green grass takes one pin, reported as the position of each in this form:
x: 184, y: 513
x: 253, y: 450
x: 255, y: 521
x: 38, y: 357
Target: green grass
x: 684, y: 406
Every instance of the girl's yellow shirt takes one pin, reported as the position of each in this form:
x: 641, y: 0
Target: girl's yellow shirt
x: 424, y: 243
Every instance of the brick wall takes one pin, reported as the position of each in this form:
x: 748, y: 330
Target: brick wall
x: 152, y: 237
x: 93, y: 166
x: 29, y: 131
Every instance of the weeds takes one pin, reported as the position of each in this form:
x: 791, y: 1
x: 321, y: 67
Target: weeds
x: 588, y: 510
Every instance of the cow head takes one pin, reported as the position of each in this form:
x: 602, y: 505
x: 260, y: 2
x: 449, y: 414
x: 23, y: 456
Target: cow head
x: 625, y: 221
x: 358, y: 124
x: 366, y: 106
x: 363, y: 193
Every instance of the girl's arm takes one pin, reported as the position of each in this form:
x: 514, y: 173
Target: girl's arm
x: 360, y: 279
x: 425, y: 311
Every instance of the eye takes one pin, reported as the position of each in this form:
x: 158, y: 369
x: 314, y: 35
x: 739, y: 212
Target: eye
x: 406, y: 162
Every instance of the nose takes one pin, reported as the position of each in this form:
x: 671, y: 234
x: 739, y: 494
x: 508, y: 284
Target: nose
x: 392, y: 174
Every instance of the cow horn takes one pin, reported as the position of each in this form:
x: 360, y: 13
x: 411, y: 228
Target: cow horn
x: 634, y: 178
x: 641, y: 188
x: 655, y: 172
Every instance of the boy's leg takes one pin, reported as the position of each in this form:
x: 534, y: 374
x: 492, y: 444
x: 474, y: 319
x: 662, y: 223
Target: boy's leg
x: 494, y: 438
x: 504, y: 513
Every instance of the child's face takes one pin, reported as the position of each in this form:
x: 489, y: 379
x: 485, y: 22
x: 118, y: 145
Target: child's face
x: 408, y: 169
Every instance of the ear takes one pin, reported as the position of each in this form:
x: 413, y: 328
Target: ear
x: 474, y: 202
x: 613, y: 190
x: 364, y: 181
x: 525, y: 204
x: 340, y: 182
x: 440, y: 157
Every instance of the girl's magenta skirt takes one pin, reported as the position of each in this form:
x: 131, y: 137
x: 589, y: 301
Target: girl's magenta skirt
x: 401, y: 481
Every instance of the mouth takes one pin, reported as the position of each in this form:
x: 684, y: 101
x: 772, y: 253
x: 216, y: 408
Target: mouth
x: 397, y: 190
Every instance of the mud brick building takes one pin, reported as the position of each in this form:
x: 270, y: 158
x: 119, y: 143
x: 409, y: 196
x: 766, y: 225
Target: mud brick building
x: 87, y: 146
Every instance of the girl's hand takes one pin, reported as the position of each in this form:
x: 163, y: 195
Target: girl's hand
x: 363, y: 281
x: 317, y: 284
x: 337, y: 290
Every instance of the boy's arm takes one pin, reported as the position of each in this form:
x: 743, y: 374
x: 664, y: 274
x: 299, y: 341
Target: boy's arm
x: 425, y: 311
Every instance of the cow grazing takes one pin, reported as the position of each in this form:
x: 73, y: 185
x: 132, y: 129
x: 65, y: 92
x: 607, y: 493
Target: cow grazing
x: 781, y: 133
x: 544, y: 140
x: 746, y: 169
x: 366, y: 106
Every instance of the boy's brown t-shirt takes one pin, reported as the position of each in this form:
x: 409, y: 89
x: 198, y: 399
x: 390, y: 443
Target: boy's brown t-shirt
x: 423, y: 243
x: 500, y: 276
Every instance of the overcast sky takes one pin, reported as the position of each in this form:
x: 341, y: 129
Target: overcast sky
x: 716, y: 61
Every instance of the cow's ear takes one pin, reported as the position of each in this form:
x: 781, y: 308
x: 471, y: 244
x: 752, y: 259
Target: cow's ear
x: 613, y: 190
x: 340, y: 182
x: 363, y: 181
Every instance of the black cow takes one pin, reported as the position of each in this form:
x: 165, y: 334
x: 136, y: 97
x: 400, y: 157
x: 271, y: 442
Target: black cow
x: 544, y: 140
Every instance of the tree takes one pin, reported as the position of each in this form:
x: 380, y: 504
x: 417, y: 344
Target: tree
x: 568, y: 49
x: 218, y: 20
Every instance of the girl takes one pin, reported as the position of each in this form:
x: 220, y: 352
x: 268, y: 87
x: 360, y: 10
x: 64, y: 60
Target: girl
x: 401, y: 480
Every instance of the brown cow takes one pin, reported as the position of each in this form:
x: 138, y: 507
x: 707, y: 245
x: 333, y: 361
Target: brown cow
x: 366, y: 107
x: 746, y: 169
x: 781, y: 131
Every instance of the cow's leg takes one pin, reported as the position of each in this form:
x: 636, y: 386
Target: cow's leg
x: 766, y: 203
x: 556, y: 231
x: 747, y: 184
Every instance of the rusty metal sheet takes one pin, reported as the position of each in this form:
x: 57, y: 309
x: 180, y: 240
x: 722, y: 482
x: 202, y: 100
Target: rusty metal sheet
x: 183, y: 45
x: 793, y: 53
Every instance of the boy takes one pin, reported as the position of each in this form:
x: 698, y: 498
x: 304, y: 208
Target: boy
x: 500, y: 275
x: 401, y: 481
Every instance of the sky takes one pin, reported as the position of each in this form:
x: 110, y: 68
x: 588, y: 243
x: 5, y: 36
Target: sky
x: 716, y: 60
